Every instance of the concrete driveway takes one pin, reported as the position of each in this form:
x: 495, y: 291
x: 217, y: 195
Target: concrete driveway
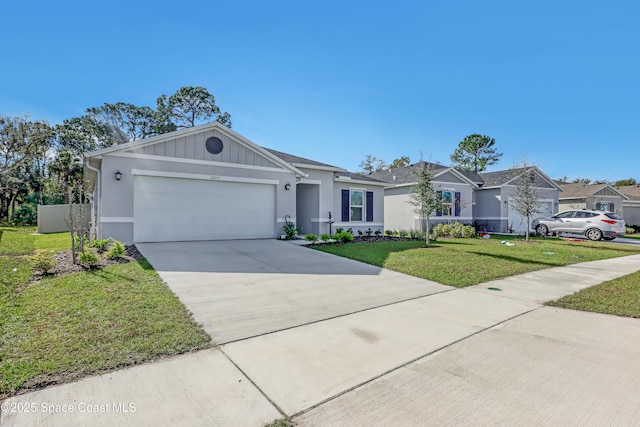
x: 334, y: 342
x: 246, y: 288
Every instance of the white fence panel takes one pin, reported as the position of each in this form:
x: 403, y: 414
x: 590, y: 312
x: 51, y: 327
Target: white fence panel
x: 51, y: 218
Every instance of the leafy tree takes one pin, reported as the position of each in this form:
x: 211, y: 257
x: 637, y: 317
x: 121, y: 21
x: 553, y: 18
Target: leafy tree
x: 601, y: 181
x: 371, y: 164
x: 88, y: 133
x: 23, y: 146
x: 67, y: 170
x: 135, y: 122
x: 475, y: 152
x: 401, y: 162
x: 191, y: 104
x: 625, y: 182
x: 424, y: 196
x: 526, y: 196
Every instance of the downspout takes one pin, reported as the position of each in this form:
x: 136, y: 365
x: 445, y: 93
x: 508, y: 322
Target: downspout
x: 97, y: 199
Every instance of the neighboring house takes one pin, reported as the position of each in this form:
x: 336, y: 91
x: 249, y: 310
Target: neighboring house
x: 209, y: 183
x: 495, y: 199
x: 600, y: 197
x: 485, y: 200
x: 455, y: 187
x: 631, y: 205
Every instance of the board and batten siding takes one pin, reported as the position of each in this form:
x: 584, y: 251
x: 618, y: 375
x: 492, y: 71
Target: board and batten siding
x: 193, y: 147
x: 52, y: 218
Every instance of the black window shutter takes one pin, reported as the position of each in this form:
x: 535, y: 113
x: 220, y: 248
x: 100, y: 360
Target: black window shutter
x: 345, y: 205
x: 369, y: 206
x: 457, y: 204
x: 439, y: 209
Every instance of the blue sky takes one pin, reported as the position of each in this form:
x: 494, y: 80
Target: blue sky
x: 554, y: 82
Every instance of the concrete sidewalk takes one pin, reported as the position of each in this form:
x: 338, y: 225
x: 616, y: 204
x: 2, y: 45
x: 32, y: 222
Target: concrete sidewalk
x: 463, y: 356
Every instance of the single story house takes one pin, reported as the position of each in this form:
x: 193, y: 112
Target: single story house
x: 485, y: 199
x: 600, y: 197
x: 495, y: 199
x: 631, y: 205
x: 455, y: 187
x: 210, y: 183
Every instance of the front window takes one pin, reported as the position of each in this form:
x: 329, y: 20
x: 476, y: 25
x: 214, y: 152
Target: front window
x: 356, y: 203
x: 447, y: 202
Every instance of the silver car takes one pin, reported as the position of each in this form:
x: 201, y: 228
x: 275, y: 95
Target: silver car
x: 595, y: 225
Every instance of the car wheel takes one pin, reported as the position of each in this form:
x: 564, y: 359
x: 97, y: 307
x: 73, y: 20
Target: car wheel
x: 542, y: 230
x: 593, y: 234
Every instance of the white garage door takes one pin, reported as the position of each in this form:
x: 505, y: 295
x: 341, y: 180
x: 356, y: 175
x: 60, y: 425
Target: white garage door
x: 176, y: 209
x: 518, y: 223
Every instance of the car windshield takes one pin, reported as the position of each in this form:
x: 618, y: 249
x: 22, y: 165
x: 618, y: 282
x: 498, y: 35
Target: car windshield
x: 613, y: 216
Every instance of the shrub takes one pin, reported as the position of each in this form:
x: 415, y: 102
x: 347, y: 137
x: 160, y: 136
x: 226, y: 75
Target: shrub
x: 100, y: 244
x: 291, y: 230
x: 311, y: 237
x: 325, y: 237
x: 631, y: 230
x: 456, y: 230
x: 403, y: 233
x: 388, y: 232
x: 339, y: 230
x: 116, y: 251
x: 377, y: 232
x: 89, y: 258
x: 43, y: 261
x: 350, y: 230
x: 343, y: 237
x: 359, y: 232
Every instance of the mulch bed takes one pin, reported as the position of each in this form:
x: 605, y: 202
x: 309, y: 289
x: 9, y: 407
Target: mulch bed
x: 65, y: 265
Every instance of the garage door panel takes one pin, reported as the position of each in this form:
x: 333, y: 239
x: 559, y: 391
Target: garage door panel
x: 173, y: 209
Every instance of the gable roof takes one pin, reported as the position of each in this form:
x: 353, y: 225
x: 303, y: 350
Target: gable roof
x: 406, y: 174
x: 507, y: 176
x: 579, y: 191
x: 194, y: 130
x: 301, y: 161
x: 631, y: 191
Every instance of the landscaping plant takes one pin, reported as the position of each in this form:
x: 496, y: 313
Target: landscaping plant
x: 43, y: 261
x: 116, y: 250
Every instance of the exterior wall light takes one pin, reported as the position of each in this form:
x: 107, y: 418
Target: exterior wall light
x: 287, y: 186
x: 118, y: 175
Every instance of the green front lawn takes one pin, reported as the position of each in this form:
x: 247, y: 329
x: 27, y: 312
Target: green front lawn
x: 24, y: 240
x: 465, y: 262
x: 62, y: 328
x: 619, y: 296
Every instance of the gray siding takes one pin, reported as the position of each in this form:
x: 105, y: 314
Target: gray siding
x: 320, y: 219
x: 193, y: 147
x: 378, y: 207
x: 117, y: 196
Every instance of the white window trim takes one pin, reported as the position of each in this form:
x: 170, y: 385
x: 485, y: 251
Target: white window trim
x: 364, y: 205
x: 452, y: 213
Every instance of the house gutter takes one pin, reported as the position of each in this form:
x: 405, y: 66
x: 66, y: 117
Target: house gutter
x: 96, y: 199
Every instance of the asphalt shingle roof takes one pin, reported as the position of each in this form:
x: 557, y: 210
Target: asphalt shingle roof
x: 572, y: 191
x: 290, y: 158
x: 631, y: 191
x: 357, y: 176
